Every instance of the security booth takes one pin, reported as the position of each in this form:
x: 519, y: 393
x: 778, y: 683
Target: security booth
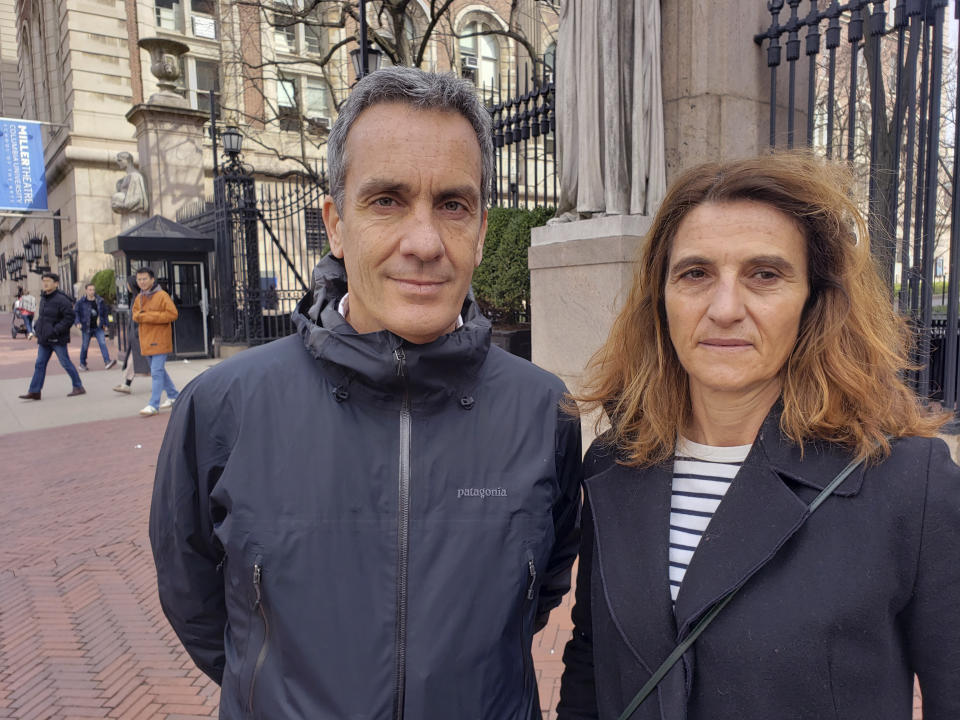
x: 180, y: 257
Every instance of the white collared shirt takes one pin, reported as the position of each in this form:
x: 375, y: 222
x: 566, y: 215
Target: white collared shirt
x: 344, y: 307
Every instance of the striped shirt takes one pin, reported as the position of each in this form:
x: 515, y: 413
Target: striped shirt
x: 701, y: 476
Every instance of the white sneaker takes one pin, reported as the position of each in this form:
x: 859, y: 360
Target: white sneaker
x: 122, y: 388
x: 167, y: 404
x: 149, y: 410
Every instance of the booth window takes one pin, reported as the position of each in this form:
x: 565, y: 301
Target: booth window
x: 313, y: 228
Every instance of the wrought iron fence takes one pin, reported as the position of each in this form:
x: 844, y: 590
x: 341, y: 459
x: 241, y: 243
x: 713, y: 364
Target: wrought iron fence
x: 269, y: 236
x: 881, y: 94
x: 524, y: 143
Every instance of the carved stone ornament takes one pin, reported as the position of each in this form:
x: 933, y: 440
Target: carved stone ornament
x: 131, y: 200
x: 165, y: 66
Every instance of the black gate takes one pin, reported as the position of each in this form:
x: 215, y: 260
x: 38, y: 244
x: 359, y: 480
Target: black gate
x: 269, y: 236
x: 270, y: 233
x: 881, y: 94
x: 524, y: 147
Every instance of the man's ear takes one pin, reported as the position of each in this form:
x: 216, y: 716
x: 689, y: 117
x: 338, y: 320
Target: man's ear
x: 332, y: 220
x: 483, y: 236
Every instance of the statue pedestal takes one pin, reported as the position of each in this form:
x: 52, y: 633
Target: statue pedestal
x: 170, y: 146
x: 580, y: 274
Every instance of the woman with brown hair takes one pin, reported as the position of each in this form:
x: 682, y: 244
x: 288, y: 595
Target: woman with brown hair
x: 770, y: 532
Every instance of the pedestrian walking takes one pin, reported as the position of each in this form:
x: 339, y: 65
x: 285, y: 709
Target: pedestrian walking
x: 372, y: 517
x: 154, y: 312
x: 27, y: 307
x: 54, y: 319
x: 771, y: 526
x: 128, y: 367
x: 92, y: 318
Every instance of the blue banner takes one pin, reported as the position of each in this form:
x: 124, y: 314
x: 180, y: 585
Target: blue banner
x: 23, y: 184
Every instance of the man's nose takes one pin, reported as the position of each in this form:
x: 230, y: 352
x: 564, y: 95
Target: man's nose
x: 726, y: 302
x: 422, y: 237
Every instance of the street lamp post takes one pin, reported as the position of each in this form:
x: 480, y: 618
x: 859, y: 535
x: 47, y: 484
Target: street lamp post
x: 365, y: 58
x: 364, y: 55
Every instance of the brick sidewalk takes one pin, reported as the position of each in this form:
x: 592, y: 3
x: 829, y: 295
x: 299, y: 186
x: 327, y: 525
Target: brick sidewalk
x: 81, y: 631
x: 17, y: 357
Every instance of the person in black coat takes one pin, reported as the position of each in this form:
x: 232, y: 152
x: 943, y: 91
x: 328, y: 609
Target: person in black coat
x: 52, y: 327
x: 757, y: 358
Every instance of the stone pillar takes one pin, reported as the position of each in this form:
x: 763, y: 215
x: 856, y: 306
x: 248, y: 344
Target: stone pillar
x: 170, y: 146
x: 716, y: 87
x: 580, y: 273
x: 716, y: 83
x: 169, y: 134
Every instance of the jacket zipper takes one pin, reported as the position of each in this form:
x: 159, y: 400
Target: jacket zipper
x: 531, y: 589
x: 403, y: 539
x: 259, y: 607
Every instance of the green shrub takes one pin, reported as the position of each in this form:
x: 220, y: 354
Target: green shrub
x: 501, y: 284
x: 106, y: 285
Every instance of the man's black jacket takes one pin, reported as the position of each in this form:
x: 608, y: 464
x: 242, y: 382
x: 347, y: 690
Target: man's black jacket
x: 54, y: 318
x: 352, y: 526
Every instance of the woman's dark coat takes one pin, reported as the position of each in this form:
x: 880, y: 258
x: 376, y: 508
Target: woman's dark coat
x: 838, y: 609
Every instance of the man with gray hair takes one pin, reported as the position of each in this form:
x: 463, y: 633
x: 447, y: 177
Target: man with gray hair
x: 371, y: 518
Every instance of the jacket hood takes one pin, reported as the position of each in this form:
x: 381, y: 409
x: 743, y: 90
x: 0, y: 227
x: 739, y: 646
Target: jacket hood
x: 446, y: 367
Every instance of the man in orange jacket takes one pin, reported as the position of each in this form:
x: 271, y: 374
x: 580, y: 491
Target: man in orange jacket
x: 154, y: 312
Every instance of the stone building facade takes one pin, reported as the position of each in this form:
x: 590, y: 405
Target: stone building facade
x: 76, y: 64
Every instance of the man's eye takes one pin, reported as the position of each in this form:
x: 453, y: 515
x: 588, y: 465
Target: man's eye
x: 384, y: 202
x: 453, y: 206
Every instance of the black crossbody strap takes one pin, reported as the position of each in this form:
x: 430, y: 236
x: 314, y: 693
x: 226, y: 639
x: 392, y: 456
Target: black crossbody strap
x: 680, y: 649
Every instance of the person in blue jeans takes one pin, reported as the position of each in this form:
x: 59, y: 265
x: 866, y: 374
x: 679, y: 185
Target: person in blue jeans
x: 91, y: 316
x: 52, y: 327
x: 154, y: 312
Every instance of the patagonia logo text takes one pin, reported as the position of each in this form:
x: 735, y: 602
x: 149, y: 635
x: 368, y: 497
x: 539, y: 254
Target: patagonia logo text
x: 481, y: 492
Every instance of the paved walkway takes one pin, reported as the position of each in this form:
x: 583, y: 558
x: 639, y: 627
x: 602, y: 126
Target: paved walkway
x: 81, y: 631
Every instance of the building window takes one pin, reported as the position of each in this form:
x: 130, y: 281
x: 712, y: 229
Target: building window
x: 550, y: 61
x: 314, y: 229
x: 169, y: 15
x: 285, y: 28
x: 203, y: 18
x: 315, y: 36
x: 288, y: 113
x: 317, y: 103
x: 207, y: 79
x: 183, y: 80
x: 479, y: 55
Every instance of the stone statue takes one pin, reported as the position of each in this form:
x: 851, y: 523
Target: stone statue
x: 130, y: 200
x: 609, y: 109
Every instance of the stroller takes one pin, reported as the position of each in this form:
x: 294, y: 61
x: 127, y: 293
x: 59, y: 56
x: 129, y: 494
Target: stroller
x: 18, y: 325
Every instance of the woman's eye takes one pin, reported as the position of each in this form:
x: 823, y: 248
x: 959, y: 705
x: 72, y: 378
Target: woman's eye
x: 766, y: 275
x: 693, y: 274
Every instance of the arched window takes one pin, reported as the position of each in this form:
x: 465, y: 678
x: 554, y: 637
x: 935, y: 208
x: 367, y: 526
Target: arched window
x: 550, y: 60
x: 479, y: 54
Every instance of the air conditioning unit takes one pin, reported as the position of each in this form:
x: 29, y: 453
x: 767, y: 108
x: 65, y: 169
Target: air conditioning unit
x: 318, y: 123
x: 469, y: 62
